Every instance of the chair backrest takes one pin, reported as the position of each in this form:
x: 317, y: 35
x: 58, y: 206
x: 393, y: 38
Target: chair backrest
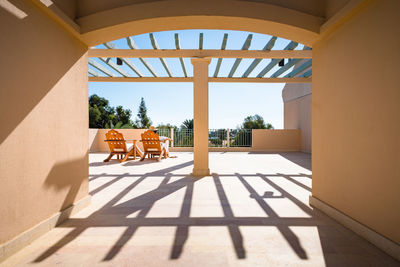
x: 116, y: 141
x: 151, y: 141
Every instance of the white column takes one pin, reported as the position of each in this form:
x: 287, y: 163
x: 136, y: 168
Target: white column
x: 200, y: 114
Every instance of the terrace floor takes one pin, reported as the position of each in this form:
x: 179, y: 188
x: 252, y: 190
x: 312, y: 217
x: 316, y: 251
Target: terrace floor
x: 252, y: 211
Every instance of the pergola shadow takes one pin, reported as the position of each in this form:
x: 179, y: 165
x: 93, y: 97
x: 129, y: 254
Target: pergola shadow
x: 143, y: 203
x: 118, y: 214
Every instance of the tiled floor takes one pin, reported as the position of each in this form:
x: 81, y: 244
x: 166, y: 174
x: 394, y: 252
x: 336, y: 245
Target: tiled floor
x: 252, y: 211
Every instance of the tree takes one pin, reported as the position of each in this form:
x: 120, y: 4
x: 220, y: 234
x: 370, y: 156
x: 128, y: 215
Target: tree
x: 243, y: 136
x: 102, y: 115
x: 143, y: 121
x: 123, y: 115
x: 165, y: 129
x: 255, y: 122
x: 167, y: 126
x: 187, y: 124
x: 94, y: 117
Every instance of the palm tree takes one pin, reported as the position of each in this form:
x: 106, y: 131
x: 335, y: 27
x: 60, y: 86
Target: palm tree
x: 187, y: 124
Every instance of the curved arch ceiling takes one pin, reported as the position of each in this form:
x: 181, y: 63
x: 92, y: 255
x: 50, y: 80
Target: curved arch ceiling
x: 126, y: 18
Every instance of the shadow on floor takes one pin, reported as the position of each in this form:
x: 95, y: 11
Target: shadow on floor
x: 334, y: 238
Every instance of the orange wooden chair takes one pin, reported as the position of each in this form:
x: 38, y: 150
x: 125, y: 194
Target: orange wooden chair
x: 118, y: 146
x: 152, y: 145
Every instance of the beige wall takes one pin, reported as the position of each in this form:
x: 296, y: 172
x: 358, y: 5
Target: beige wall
x: 276, y: 140
x: 43, y: 107
x: 356, y: 118
x: 297, y: 111
x: 263, y: 140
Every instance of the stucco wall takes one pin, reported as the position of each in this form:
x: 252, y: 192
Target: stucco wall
x: 356, y: 118
x: 276, y: 140
x: 263, y: 140
x: 43, y: 107
x: 297, y: 111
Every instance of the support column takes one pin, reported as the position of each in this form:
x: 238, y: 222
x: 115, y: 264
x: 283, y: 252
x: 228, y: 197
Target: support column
x: 200, y: 114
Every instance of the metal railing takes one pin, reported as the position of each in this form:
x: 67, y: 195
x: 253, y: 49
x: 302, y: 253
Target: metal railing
x: 183, y: 138
x: 216, y: 137
x: 164, y: 132
x: 240, y: 138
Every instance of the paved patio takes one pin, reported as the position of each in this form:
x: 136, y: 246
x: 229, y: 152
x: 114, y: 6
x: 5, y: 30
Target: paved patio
x: 253, y: 211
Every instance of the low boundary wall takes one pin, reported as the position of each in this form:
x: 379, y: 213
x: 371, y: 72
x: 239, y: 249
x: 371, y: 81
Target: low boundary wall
x: 262, y: 140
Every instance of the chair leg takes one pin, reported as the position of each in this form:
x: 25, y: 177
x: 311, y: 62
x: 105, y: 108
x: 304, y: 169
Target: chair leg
x: 144, y: 156
x: 131, y: 153
x: 125, y: 158
x: 161, y: 155
x: 109, y: 157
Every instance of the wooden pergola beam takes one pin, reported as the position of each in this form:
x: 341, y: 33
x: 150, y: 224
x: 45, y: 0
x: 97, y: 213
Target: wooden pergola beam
x: 257, y: 61
x: 127, y: 61
x: 245, y: 46
x: 193, y: 53
x: 93, y: 72
x: 178, y: 47
x: 190, y: 79
x: 288, y: 65
x: 219, y: 62
x: 100, y: 67
x: 155, y: 46
x: 307, y: 64
x: 133, y: 45
x: 201, y: 41
x: 292, y: 45
x: 114, y: 66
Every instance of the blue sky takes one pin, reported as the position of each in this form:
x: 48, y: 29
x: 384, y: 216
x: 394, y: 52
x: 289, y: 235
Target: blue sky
x: 229, y: 103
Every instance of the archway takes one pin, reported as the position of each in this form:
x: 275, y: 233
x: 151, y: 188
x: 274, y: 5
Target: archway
x: 347, y: 34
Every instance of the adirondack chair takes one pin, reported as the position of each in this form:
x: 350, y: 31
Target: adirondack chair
x: 118, y: 146
x: 153, y: 146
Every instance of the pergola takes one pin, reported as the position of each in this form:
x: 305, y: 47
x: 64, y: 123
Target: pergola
x: 100, y: 71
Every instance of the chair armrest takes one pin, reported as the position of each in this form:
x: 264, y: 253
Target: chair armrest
x: 122, y: 140
x: 164, y: 140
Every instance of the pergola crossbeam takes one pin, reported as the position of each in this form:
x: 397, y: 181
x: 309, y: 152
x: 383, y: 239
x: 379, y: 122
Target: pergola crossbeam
x: 114, y: 66
x: 288, y: 65
x: 301, y: 60
x: 219, y: 62
x: 100, y: 67
x: 210, y: 79
x: 93, y: 73
x: 178, y: 47
x: 292, y: 45
x: 133, y: 45
x: 306, y: 74
x: 201, y: 41
x: 196, y: 53
x: 257, y: 61
x: 127, y: 61
x: 299, y: 69
x: 163, y: 62
x: 245, y: 46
